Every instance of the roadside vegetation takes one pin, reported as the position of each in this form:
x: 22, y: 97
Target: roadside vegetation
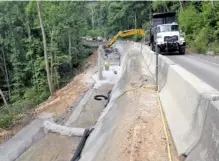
x: 199, y: 20
x: 41, y: 47
x: 40, y: 51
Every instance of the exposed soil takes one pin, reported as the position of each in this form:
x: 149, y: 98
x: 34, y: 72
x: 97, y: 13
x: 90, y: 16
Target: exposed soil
x: 58, y: 103
x: 64, y: 97
x: 140, y: 135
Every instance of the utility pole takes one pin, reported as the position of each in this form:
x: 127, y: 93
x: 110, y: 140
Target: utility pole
x: 100, y: 67
x: 156, y: 69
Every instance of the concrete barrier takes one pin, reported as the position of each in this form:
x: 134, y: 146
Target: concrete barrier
x: 13, y: 148
x: 190, y: 108
x: 164, y: 64
x: 185, y: 99
x: 208, y: 145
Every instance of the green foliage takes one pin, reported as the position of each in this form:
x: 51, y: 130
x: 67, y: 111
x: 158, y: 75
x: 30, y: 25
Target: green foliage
x: 6, y: 120
x: 9, y: 114
x: 198, y: 19
x: 21, y: 42
x: 201, y: 41
x: 200, y: 24
x: 35, y: 96
x: 137, y: 37
x: 95, y: 33
x: 111, y: 17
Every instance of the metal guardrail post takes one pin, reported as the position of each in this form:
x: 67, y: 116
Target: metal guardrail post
x: 100, y: 68
x: 142, y: 44
x: 156, y: 69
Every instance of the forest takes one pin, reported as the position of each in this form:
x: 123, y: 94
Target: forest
x: 41, y: 48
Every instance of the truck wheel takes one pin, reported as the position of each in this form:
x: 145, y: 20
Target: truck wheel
x: 182, y: 50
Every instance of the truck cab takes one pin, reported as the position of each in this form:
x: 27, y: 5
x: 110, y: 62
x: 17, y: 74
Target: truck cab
x: 168, y: 38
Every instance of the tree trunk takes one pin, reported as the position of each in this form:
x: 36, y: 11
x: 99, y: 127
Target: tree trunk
x: 167, y: 10
x: 45, y: 49
x: 135, y: 20
x: 52, y: 59
x: 92, y: 14
x: 69, y: 50
x: 6, y: 72
x: 212, y: 3
x: 3, y: 97
x: 56, y: 72
x: 181, y: 6
x: 28, y: 29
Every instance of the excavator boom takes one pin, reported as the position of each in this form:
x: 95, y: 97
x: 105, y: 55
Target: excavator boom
x: 124, y: 34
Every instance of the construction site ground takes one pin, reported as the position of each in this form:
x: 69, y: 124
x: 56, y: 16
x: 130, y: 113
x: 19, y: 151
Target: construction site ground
x: 134, y: 131
x: 54, y: 147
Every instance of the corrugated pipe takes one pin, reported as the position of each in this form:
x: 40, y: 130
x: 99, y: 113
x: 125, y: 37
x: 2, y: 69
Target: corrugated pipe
x: 99, y: 97
x: 80, y: 147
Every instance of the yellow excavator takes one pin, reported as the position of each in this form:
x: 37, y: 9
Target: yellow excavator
x: 125, y: 33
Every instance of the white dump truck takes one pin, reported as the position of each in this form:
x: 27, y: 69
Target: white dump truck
x: 165, y: 36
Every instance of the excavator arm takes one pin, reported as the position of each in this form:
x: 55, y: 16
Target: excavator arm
x: 124, y: 34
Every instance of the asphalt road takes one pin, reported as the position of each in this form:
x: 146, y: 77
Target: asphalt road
x: 206, y: 67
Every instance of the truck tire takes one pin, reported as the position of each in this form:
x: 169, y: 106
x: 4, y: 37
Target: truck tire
x: 182, y: 50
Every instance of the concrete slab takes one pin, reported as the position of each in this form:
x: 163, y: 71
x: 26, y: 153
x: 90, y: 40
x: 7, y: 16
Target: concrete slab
x: 13, y: 148
x: 93, y: 108
x: 52, y: 147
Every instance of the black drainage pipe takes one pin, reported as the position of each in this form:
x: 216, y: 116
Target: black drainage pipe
x: 80, y: 146
x: 99, y: 97
x: 108, y: 98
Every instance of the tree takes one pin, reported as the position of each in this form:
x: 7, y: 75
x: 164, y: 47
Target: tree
x: 3, y: 97
x: 45, y: 49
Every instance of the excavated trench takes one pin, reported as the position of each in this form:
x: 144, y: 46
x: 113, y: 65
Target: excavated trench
x: 84, y: 114
x: 55, y: 147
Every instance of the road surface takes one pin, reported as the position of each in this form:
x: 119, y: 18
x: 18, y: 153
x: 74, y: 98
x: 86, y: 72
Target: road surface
x: 206, y: 67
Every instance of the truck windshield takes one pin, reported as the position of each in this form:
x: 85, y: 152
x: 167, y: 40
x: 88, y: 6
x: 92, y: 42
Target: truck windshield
x: 166, y: 28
